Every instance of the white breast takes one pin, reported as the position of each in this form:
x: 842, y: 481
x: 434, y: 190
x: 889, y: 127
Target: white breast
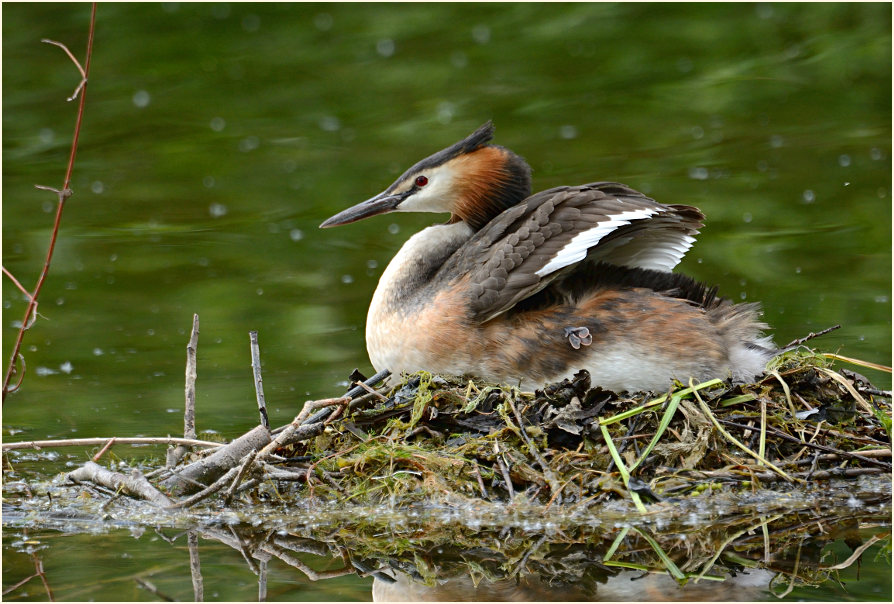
x: 389, y: 324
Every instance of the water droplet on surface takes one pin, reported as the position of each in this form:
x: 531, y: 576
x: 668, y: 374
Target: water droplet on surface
x: 698, y: 173
x: 141, y: 99
x: 385, y: 47
x: 481, y: 34
x: 446, y: 111
x: 568, y: 132
x: 330, y: 123
x: 249, y: 143
x: 323, y: 21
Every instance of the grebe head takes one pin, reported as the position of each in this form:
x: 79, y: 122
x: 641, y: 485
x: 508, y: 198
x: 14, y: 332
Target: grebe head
x: 471, y: 179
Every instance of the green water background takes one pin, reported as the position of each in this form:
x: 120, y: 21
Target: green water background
x: 218, y: 136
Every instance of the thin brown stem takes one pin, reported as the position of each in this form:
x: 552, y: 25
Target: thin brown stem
x: 62, y: 195
x: 87, y: 442
x: 17, y: 284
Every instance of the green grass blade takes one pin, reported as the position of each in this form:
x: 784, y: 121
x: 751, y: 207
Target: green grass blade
x: 658, y: 401
x: 672, y: 568
x: 616, y: 543
x: 662, y: 426
x: 625, y: 474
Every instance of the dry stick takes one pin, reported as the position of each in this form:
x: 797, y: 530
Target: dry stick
x: 243, y: 470
x: 835, y: 457
x: 16, y: 283
x: 38, y: 567
x: 12, y: 588
x: 225, y: 459
x: 92, y: 442
x: 259, y: 382
x: 206, y: 492
x: 810, y: 336
x: 189, y: 413
x: 262, y: 581
x: 38, y: 572
x: 354, y: 402
x: 857, y: 553
x: 221, y: 461
x: 793, y: 439
x: 547, y: 472
x: 135, y: 485
x: 480, y: 481
x: 62, y: 195
x: 504, y: 471
x: 195, y: 567
x: 279, y: 552
x: 858, y: 362
x: 849, y: 387
x: 292, y: 433
x: 707, y: 412
x: 102, y: 451
x: 150, y: 587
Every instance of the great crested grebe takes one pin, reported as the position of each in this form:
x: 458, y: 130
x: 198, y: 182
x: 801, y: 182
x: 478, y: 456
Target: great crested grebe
x: 527, y: 289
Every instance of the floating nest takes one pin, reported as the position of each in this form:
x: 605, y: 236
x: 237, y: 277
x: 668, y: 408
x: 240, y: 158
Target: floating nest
x: 432, y: 437
x: 440, y: 480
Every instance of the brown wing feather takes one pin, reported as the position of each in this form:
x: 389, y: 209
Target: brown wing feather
x: 525, y: 248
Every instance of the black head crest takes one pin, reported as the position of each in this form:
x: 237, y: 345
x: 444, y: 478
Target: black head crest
x: 474, y: 141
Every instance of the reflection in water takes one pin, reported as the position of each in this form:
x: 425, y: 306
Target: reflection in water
x: 449, y: 554
x: 625, y: 586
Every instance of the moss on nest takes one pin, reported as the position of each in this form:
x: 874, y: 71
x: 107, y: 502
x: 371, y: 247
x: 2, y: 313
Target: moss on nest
x: 432, y: 437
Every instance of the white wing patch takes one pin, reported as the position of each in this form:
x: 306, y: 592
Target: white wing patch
x: 576, y: 249
x: 660, y: 250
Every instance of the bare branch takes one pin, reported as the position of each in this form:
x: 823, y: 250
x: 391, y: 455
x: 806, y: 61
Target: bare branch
x: 17, y: 284
x: 189, y: 411
x: 68, y: 52
x: 195, y: 568
x: 87, y: 442
x: 259, y: 382
x: 135, y: 484
x: 63, y: 194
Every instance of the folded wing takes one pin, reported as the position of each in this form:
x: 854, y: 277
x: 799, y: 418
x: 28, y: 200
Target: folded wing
x: 528, y: 246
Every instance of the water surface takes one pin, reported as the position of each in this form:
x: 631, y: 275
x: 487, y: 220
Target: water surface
x: 218, y: 136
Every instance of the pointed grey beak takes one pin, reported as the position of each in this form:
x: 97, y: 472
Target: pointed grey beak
x: 380, y: 204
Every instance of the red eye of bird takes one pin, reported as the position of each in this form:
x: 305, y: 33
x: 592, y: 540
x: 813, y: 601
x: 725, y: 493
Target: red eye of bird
x: 421, y: 181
